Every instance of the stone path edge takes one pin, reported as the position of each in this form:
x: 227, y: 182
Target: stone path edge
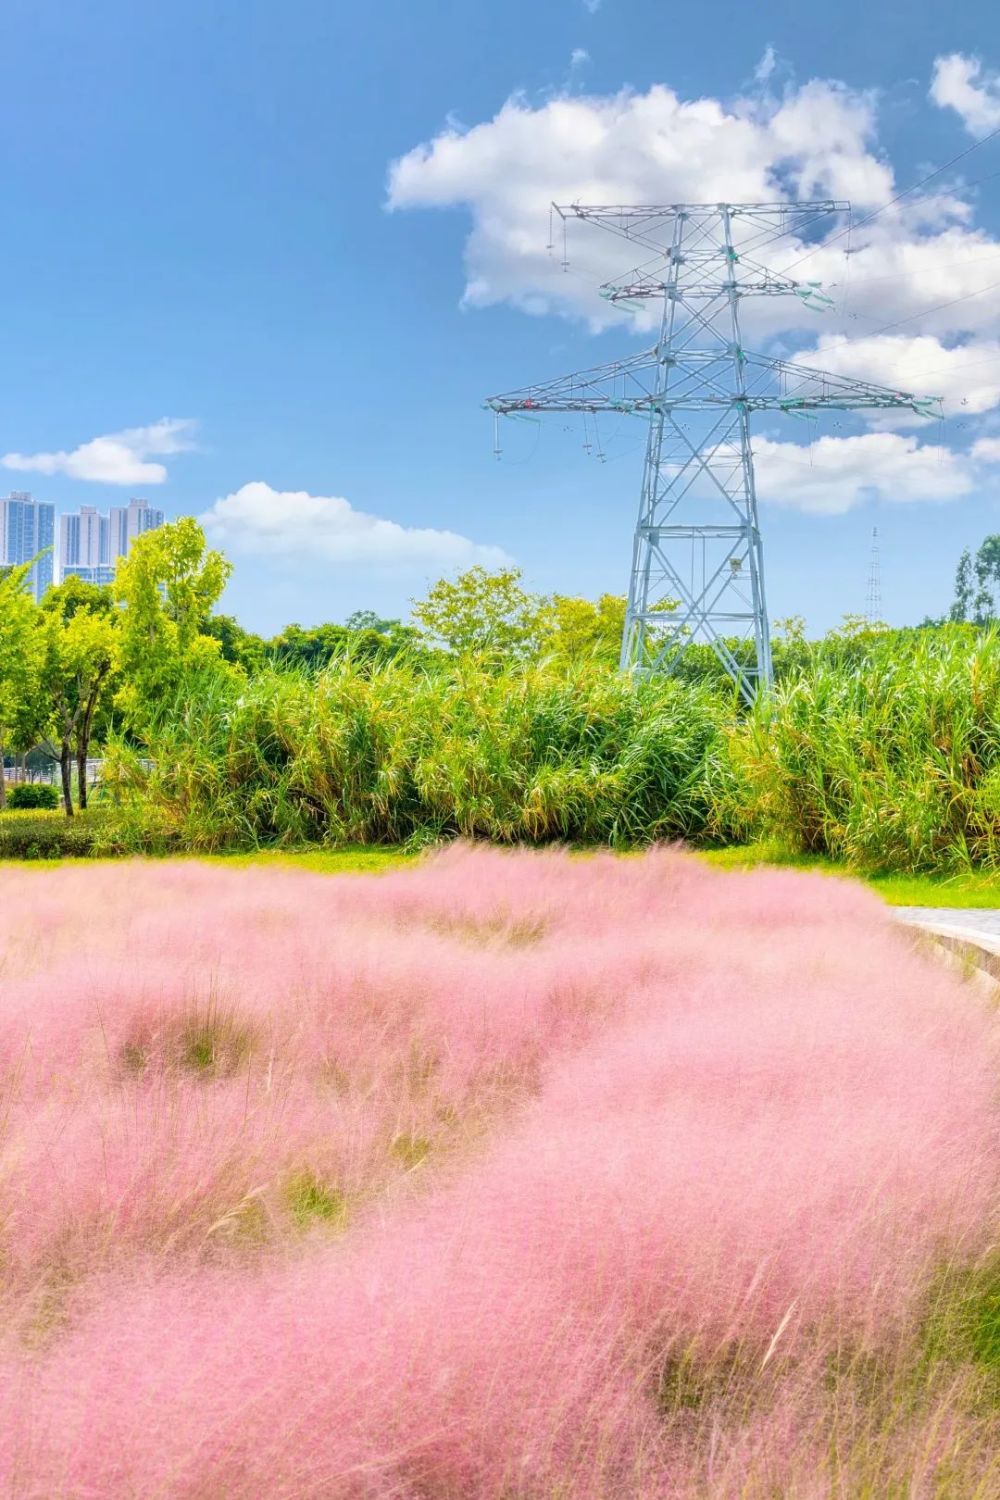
x: 966, y: 943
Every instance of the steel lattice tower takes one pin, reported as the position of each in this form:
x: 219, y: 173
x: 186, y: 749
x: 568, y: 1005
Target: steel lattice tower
x: 873, y: 610
x: 697, y: 562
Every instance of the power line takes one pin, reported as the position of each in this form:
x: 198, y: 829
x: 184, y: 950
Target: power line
x: 940, y: 265
x: 938, y: 307
x: 913, y: 188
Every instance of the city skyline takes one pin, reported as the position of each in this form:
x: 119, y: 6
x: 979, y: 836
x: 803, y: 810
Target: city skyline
x: 287, y: 323
x: 90, y: 543
x: 85, y: 543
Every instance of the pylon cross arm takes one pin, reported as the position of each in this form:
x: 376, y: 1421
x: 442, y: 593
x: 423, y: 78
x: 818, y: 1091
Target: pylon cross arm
x: 619, y: 386
x: 804, y: 386
x: 634, y: 385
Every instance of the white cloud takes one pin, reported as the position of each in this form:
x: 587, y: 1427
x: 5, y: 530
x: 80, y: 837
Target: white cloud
x: 592, y: 5
x: 944, y: 282
x: 921, y: 263
x: 818, y: 138
x: 766, y: 65
x: 293, y: 523
x: 578, y: 57
x: 629, y: 147
x: 966, y: 376
x: 835, y: 474
x: 117, y: 458
x: 959, y: 83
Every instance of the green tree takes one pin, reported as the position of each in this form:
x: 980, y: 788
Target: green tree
x: 977, y: 585
x: 311, y: 648
x: 367, y: 619
x: 169, y: 585
x: 574, y: 629
x: 240, y: 647
x: 852, y: 627
x: 964, y: 589
x: 315, y: 648
x: 23, y: 708
x: 483, y: 614
x: 986, y: 604
x: 82, y: 630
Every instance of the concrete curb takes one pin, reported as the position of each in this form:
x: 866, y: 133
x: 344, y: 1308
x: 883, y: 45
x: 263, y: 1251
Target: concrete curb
x: 965, y: 947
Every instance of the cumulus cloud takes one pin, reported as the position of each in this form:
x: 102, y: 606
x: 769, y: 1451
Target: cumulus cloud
x: 945, y: 282
x: 628, y: 148
x: 965, y: 376
x: 920, y: 261
x: 117, y: 458
x: 835, y: 474
x: 914, y: 288
x: 295, y: 524
x: 960, y: 83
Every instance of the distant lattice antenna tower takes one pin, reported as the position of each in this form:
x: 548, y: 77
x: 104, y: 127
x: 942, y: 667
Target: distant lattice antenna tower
x: 873, y: 611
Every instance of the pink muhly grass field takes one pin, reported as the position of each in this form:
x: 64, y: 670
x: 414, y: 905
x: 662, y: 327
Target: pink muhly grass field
x: 509, y: 1174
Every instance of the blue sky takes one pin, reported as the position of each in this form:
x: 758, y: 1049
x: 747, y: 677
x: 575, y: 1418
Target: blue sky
x: 201, y: 268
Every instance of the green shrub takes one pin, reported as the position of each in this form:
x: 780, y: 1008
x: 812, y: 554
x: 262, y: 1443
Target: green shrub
x: 32, y: 794
x: 391, y: 753
x: 881, y: 750
x: 51, y: 835
x: 890, y: 763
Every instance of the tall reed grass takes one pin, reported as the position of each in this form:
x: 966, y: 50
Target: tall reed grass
x: 883, y: 752
x: 892, y: 763
x: 387, y: 752
x: 505, y: 1175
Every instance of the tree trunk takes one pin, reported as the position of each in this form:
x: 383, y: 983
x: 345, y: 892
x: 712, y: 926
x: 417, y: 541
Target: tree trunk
x: 81, y: 776
x: 66, y: 767
x: 83, y: 738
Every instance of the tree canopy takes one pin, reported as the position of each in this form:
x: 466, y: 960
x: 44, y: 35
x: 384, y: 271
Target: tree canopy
x: 483, y: 614
x: 977, y: 584
x: 168, y: 586
x: 23, y: 708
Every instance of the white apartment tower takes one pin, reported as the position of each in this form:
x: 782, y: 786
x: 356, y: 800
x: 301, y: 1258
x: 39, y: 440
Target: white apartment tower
x: 129, y: 521
x: 91, y: 544
x: 26, y: 529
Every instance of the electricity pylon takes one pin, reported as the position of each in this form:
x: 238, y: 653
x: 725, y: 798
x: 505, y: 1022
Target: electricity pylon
x: 697, y: 562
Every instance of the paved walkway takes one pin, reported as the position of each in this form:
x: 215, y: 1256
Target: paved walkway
x: 978, y: 926
x: 984, y: 921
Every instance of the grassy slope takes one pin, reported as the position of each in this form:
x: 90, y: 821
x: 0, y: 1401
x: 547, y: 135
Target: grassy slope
x: 345, y: 861
x: 972, y: 889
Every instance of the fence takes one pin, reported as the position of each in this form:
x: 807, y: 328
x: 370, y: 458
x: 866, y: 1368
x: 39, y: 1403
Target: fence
x: 50, y: 773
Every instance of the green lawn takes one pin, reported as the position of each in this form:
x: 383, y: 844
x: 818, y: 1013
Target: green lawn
x: 967, y: 889
x: 352, y: 860
x: 344, y: 861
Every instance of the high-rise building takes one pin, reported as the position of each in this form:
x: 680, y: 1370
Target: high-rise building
x: 128, y: 522
x: 80, y: 538
x: 27, y: 527
x: 91, y: 544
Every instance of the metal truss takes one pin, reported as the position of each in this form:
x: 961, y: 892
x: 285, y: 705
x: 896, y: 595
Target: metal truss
x: 697, y: 563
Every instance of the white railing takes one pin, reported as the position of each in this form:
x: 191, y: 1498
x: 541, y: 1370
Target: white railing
x: 50, y: 774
